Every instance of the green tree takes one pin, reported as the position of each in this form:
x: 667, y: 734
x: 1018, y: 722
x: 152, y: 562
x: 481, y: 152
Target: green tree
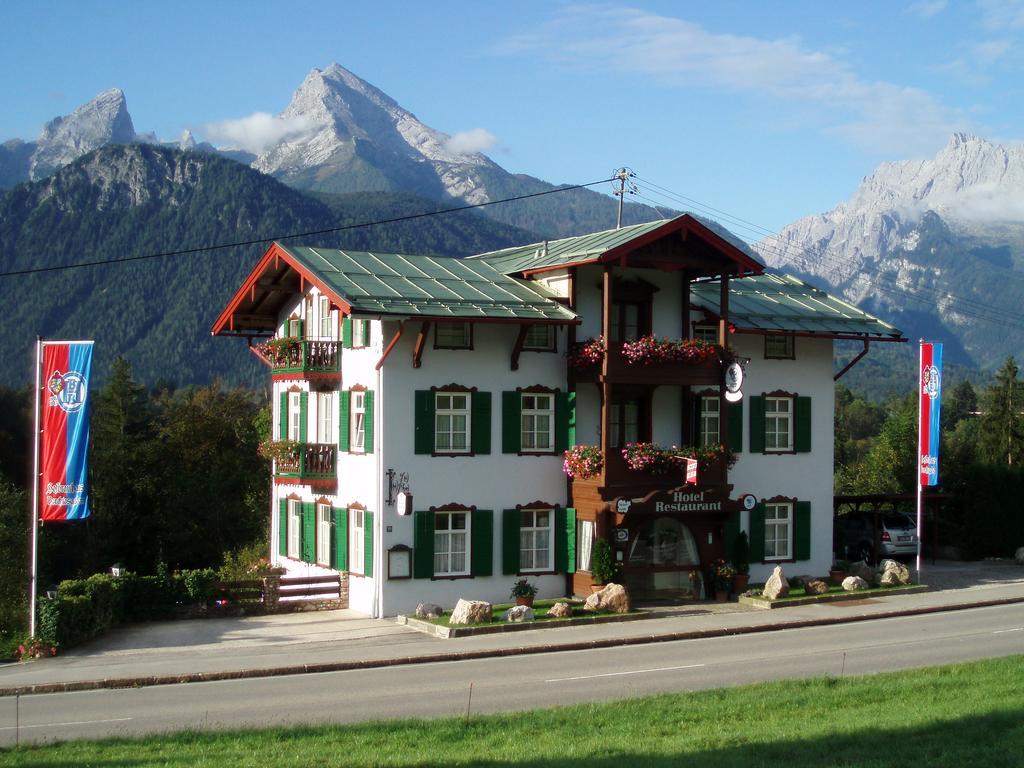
x: 14, y: 565
x: 889, y: 464
x: 958, y: 404
x: 1001, y: 440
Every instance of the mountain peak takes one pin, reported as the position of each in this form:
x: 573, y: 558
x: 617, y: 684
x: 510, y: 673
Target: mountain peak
x: 103, y: 120
x: 959, y: 138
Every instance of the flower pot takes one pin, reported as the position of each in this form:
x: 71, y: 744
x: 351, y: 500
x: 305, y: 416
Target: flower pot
x: 527, y: 601
x: 722, y: 596
x: 740, y: 582
x: 836, y: 577
x: 595, y: 588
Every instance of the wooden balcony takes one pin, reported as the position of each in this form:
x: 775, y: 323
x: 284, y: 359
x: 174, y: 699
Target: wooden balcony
x: 301, y: 358
x: 704, y: 371
x: 308, y: 462
x: 616, y: 478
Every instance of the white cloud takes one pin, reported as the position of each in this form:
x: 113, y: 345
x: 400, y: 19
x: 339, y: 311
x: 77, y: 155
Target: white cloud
x: 1002, y: 14
x: 877, y: 115
x: 468, y: 142
x: 926, y: 9
x: 258, y: 131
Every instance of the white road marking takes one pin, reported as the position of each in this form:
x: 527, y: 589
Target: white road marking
x: 618, y: 674
x: 1001, y: 631
x: 77, y: 722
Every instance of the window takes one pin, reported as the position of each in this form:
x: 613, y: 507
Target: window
x: 451, y: 422
x: 778, y: 531
x: 294, y: 327
x: 451, y: 543
x: 538, y: 417
x: 453, y: 336
x: 357, y: 422
x: 628, y: 321
x: 624, y: 422
x: 360, y: 332
x: 294, y: 526
x: 585, y: 534
x: 535, y: 539
x: 324, y: 521
x: 325, y: 418
x: 778, y: 423
x: 294, y: 415
x: 708, y: 333
x: 325, y: 317
x: 357, y: 541
x: 778, y: 348
x: 540, y: 338
x: 709, y: 421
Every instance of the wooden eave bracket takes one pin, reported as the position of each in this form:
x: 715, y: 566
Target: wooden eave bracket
x: 391, y: 345
x: 421, y: 341
x: 517, y: 350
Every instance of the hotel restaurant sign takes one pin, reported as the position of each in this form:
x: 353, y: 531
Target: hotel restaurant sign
x: 686, y: 500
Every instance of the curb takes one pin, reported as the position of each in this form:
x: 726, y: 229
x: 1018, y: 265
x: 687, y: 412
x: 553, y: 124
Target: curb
x: 346, y: 666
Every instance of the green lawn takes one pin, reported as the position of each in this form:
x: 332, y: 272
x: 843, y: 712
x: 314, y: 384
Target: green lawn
x: 955, y: 716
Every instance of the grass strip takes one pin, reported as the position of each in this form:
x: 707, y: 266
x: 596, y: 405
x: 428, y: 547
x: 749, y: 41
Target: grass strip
x: 540, y: 613
x: 962, y: 714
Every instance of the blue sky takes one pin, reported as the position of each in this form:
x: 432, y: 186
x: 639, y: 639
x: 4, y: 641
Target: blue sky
x: 767, y: 111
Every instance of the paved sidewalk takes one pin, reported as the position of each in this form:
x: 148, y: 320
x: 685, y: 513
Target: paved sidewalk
x: 212, y: 649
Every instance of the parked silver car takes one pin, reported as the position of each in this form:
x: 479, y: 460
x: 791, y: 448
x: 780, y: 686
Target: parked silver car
x: 897, y: 535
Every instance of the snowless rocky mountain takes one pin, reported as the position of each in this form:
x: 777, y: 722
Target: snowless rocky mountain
x: 935, y: 245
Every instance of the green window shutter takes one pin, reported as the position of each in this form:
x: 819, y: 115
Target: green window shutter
x: 802, y: 530
x: 282, y: 418
x: 480, y: 405
x: 481, y: 556
x: 565, y: 421
x: 423, y: 544
x: 346, y: 333
x: 802, y: 425
x: 303, y: 411
x: 309, y: 533
x: 368, y: 422
x: 734, y: 440
x: 423, y: 438
x: 282, y: 529
x: 368, y: 543
x: 365, y: 341
x: 757, y: 533
x: 511, y: 422
x: 341, y: 537
x: 344, y: 406
x: 729, y: 531
x: 757, y: 424
x: 510, y: 541
x: 301, y: 328
x: 565, y: 540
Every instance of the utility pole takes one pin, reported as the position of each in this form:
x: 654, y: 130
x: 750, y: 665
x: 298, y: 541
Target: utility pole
x: 623, y: 175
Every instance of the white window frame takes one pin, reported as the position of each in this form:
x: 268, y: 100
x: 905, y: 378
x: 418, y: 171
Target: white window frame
x: 779, y: 347
x: 540, y: 338
x: 294, y: 416
x: 586, y: 534
x: 324, y: 522
x: 292, y: 325
x: 710, y: 413
x: 356, y: 541
x: 360, y: 331
x: 533, y: 557
x: 778, y: 423
x: 778, y: 531
x: 357, y: 421
x: 444, y: 557
x: 535, y: 407
x: 325, y: 418
x: 708, y: 333
x: 325, y: 318
x: 450, y: 413
x: 294, y: 530
x: 453, y: 335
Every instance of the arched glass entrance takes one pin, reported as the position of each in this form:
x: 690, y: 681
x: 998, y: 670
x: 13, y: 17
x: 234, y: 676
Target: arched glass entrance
x: 663, y: 560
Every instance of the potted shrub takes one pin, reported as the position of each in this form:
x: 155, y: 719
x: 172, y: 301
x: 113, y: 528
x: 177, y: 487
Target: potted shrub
x: 523, y: 592
x: 724, y: 575
x: 603, y: 568
x: 741, y: 562
x: 839, y: 571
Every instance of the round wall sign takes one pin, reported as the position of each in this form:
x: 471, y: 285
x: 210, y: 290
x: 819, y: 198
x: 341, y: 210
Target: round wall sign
x: 749, y: 501
x: 733, y: 377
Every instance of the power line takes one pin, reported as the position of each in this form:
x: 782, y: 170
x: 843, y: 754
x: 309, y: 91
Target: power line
x: 293, y: 235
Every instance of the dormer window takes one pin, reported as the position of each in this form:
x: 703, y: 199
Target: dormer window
x: 453, y: 336
x: 778, y: 348
x: 540, y: 338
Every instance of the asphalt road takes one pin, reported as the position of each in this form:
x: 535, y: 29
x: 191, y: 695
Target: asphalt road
x: 520, y: 682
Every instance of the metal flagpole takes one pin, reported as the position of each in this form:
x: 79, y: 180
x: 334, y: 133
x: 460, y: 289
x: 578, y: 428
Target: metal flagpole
x: 920, y: 432
x: 35, y: 494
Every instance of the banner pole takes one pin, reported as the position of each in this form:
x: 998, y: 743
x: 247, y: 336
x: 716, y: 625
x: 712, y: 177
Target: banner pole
x: 32, y: 587
x: 920, y: 432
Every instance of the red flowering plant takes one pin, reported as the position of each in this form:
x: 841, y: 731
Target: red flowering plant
x: 282, y: 351
x: 650, y: 349
x: 583, y: 461
x: 650, y: 458
x: 707, y: 454
x: 588, y: 353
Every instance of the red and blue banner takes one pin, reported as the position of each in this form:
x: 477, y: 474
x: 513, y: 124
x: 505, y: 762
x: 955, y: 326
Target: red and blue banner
x: 930, y: 398
x: 64, y: 442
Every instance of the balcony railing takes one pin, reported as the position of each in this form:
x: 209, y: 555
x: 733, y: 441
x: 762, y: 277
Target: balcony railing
x: 642, y: 467
x: 307, y: 461
x: 650, y: 360
x: 292, y: 355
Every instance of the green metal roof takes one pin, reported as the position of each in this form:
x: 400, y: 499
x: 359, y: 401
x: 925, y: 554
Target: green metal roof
x: 784, y: 303
x: 568, y: 250
x: 428, y: 286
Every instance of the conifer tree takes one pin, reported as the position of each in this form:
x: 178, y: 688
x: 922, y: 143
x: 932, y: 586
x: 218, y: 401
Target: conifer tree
x: 1001, y: 440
